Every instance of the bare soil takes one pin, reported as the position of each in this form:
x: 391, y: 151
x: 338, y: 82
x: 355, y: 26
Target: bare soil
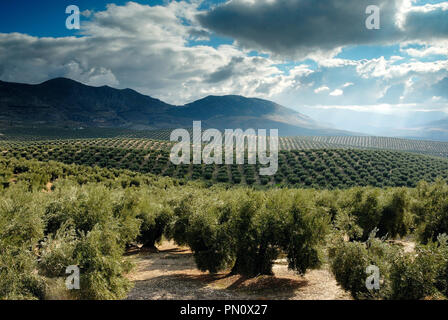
x: 171, y: 274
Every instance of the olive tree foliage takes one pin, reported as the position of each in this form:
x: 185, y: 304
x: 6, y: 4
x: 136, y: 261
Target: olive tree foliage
x: 404, y: 275
x: 430, y: 207
x: 183, y: 208
x: 421, y: 274
x: 87, y: 216
x: 245, y: 231
x: 42, y: 233
x: 329, y: 201
x: 89, y: 205
x: 396, y: 218
x: 349, y: 261
x: 156, y: 215
x: 305, y: 226
x: 363, y: 210
x: 89, y: 226
x: 99, y: 256
x: 57, y: 251
x: 21, y: 227
x: 255, y: 249
x: 208, y: 232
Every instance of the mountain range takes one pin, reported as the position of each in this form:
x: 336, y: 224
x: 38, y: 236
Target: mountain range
x: 66, y: 103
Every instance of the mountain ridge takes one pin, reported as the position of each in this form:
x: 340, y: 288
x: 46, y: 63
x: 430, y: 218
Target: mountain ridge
x: 67, y: 103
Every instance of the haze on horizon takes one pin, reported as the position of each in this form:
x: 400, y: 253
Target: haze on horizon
x: 319, y: 60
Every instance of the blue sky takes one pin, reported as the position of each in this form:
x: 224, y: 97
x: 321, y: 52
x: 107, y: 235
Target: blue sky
x: 307, y: 57
x: 47, y: 18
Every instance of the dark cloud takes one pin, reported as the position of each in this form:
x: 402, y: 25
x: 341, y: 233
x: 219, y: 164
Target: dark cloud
x: 297, y: 28
x: 225, y: 72
x: 427, y: 25
x: 152, y: 50
x: 147, y: 48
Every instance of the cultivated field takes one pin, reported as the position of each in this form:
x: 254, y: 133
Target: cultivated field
x: 434, y: 148
x: 316, y: 168
x: 139, y: 227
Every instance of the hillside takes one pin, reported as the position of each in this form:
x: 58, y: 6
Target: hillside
x: 434, y: 148
x: 64, y: 103
x: 223, y: 112
x: 107, y: 135
x: 318, y: 168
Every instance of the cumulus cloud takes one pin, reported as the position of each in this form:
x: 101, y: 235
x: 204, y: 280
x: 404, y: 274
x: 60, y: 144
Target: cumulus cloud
x: 149, y: 49
x: 156, y: 50
x: 427, y: 51
x: 321, y: 89
x: 336, y: 93
x: 386, y: 69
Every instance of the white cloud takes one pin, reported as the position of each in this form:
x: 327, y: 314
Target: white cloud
x: 383, y: 108
x: 429, y: 7
x: 321, y: 89
x: 333, y: 62
x: 153, y: 50
x: 383, y: 68
x: 337, y: 93
x: 420, y: 53
x: 146, y: 48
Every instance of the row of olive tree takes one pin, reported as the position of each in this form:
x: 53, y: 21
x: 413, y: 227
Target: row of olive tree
x: 43, y: 233
x: 240, y: 230
x: 244, y: 230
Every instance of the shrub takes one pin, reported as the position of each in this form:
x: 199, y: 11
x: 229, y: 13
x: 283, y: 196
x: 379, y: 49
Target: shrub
x: 99, y: 257
x: 255, y: 249
x: 247, y: 230
x: 348, y: 264
x: 349, y: 261
x: 396, y: 219
x: 182, y: 210
x: 431, y: 210
x: 421, y: 275
x: 86, y: 206
x: 209, y: 236
x: 302, y: 232
x: 21, y: 215
x: 57, y: 252
x: 156, y: 215
x: 21, y: 227
x: 18, y: 277
x: 371, y: 208
x: 365, y: 205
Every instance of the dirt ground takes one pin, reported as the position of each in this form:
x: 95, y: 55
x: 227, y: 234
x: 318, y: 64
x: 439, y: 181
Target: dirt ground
x: 171, y: 274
